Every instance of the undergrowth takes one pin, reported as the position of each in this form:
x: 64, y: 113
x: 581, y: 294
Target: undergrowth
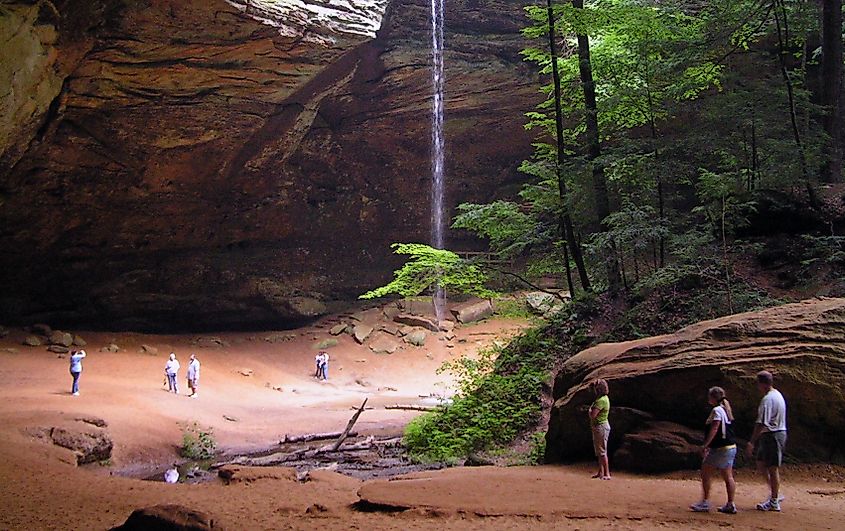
x: 198, y: 443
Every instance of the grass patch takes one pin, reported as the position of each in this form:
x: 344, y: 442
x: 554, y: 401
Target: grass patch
x: 198, y: 443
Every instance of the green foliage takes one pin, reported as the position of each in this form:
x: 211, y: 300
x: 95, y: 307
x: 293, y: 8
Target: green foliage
x: 498, y: 397
x: 198, y: 443
x: 513, y: 308
x: 428, y: 268
x: 508, y: 229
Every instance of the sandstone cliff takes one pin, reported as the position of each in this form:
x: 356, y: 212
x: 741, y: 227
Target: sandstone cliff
x: 659, y: 386
x: 194, y: 164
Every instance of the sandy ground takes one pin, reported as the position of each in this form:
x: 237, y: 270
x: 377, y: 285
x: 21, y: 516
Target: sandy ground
x: 40, y: 488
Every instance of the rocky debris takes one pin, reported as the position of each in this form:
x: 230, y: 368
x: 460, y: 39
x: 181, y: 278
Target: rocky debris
x: 167, y: 518
x: 209, y: 342
x: 90, y: 444
x: 389, y: 328
x: 417, y: 321
x: 369, y: 317
x: 41, y: 329
x: 149, y: 349
x: 416, y: 338
x: 391, y: 310
x: 245, y: 372
x: 230, y: 418
x: 361, y: 332
x: 316, y: 508
x: 446, y: 325
x: 542, y: 303
x: 449, y: 336
x: 111, y: 347
x: 384, y: 345
x: 79, y: 342
x: 660, y: 447
x: 473, y: 311
x: 338, y: 329
x: 280, y: 338
x: 94, y: 421
x: 665, y: 379
x: 58, y: 349
x: 32, y: 341
x: 61, y: 338
x: 9, y: 350
x: 423, y: 307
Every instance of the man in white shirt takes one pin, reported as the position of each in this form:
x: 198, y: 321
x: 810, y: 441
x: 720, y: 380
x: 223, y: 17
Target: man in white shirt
x: 769, y: 438
x: 171, y: 370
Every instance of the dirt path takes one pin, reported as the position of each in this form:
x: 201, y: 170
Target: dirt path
x: 41, y: 488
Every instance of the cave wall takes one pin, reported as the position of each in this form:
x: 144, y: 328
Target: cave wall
x: 181, y: 164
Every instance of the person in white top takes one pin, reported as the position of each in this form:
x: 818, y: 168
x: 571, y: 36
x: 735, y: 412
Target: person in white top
x: 171, y: 475
x: 769, y: 438
x: 171, y: 370
x: 193, y: 375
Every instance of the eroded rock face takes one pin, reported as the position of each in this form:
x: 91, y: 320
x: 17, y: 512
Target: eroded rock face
x: 193, y: 166
x: 665, y: 379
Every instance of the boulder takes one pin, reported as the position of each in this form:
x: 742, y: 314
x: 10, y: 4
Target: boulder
x: 338, y: 329
x: 424, y: 307
x: 391, y: 310
x: 665, y: 379
x: 111, y: 347
x: 326, y: 343
x: 471, y: 312
x: 542, y: 303
x: 416, y: 338
x: 61, y: 338
x: 167, y: 518
x: 384, y: 344
x: 90, y: 444
x: 446, y: 325
x: 32, y: 341
x: 660, y: 447
x: 149, y: 349
x: 58, y: 349
x: 361, y: 332
x: 370, y: 317
x: 418, y: 321
x: 79, y: 342
x: 389, y: 328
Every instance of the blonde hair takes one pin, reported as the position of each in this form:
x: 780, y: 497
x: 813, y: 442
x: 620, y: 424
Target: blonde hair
x: 718, y: 394
x: 600, y: 387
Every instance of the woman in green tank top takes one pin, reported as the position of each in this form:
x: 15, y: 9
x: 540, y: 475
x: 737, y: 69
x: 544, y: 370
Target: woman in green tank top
x: 599, y: 412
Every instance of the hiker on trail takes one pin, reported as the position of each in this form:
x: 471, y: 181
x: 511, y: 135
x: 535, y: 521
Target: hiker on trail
x: 171, y: 369
x: 769, y: 439
x: 318, y: 363
x: 323, y: 366
x: 193, y: 375
x: 718, y: 451
x: 76, y: 358
x: 600, y: 426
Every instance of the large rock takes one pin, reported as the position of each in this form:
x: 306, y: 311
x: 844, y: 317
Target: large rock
x: 416, y: 338
x: 251, y: 163
x: 61, y: 338
x: 167, y: 518
x: 418, y: 321
x: 89, y: 443
x: 384, y: 344
x: 471, y: 312
x: 665, y: 379
x: 361, y: 332
x: 32, y: 341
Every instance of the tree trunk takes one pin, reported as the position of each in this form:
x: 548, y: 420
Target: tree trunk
x: 565, y: 222
x: 602, y: 198
x: 831, y: 96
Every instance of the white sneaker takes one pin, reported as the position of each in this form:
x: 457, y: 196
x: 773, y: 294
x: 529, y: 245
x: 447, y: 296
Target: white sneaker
x: 769, y: 505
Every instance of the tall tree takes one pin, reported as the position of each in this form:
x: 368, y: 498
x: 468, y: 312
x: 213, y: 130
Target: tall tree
x: 831, y: 93
x: 568, y: 232
x: 593, y: 143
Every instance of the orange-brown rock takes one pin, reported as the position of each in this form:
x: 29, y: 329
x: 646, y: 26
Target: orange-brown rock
x: 188, y: 166
x: 666, y: 378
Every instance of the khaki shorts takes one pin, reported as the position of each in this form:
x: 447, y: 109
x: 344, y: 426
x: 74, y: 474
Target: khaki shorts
x: 601, y: 434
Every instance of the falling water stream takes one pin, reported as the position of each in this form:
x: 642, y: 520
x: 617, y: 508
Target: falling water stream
x: 438, y: 227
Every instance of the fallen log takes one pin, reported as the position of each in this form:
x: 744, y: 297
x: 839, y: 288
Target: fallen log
x: 411, y: 407
x: 308, y: 437
x: 349, y: 426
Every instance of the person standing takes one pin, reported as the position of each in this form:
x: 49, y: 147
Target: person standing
x: 719, y: 451
x: 76, y: 358
x: 171, y: 370
x: 769, y: 439
x: 324, y: 366
x: 599, y: 411
x: 193, y: 375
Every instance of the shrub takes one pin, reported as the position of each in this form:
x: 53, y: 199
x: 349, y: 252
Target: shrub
x: 198, y: 443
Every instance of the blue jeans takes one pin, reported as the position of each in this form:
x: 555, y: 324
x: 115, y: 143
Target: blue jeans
x: 324, y: 371
x: 171, y: 383
x: 75, y: 387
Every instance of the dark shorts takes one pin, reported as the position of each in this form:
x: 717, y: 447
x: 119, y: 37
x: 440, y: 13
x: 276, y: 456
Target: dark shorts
x: 770, y: 448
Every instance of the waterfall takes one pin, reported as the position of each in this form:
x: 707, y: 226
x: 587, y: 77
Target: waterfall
x: 438, y: 226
